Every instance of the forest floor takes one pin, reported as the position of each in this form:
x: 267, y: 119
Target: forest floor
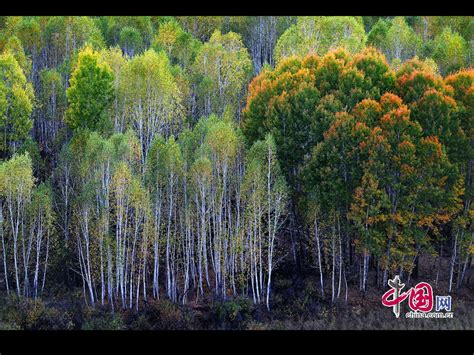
x: 307, y: 311
x: 296, y: 305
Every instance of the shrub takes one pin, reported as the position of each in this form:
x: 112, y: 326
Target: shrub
x: 108, y: 321
x: 29, y: 314
x: 232, y: 314
x: 163, y: 314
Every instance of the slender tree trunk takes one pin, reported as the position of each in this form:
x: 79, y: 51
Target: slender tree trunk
x: 333, y: 247
x: 453, y: 261
x: 4, y: 251
x: 468, y: 257
x: 321, y: 278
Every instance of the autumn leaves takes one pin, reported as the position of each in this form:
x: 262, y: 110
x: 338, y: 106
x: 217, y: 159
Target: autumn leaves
x: 376, y: 172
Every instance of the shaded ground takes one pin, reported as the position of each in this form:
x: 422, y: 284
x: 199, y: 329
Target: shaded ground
x: 296, y: 305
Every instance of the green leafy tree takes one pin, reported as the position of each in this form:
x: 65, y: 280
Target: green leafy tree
x: 450, y: 51
x: 117, y: 63
x: 401, y: 41
x: 64, y: 36
x: 378, y: 33
x: 152, y: 99
x: 164, y: 174
x: 318, y: 35
x: 222, y: 67
x: 16, y: 105
x: 90, y: 94
x: 15, y: 47
x: 265, y: 192
x: 42, y: 240
x: 180, y: 45
x: 23, y: 35
x: 408, y: 188
x: 463, y: 92
x: 49, y: 118
x: 464, y: 25
x: 260, y: 34
x: 202, y: 27
x: 278, y: 100
x: 130, y: 41
x: 16, y: 183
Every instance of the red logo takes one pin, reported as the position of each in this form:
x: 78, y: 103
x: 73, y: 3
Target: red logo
x: 420, y: 297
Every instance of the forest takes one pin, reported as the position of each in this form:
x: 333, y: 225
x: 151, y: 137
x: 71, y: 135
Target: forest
x: 233, y: 172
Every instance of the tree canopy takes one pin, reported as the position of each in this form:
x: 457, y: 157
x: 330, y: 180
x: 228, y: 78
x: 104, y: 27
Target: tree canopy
x: 229, y: 163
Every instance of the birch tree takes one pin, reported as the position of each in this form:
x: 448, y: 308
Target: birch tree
x: 17, y: 185
x: 265, y: 193
x: 152, y: 98
x: 319, y: 34
x: 223, y: 67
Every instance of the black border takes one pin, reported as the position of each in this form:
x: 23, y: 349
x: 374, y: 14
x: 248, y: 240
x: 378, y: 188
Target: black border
x: 237, y: 8
x: 238, y: 342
